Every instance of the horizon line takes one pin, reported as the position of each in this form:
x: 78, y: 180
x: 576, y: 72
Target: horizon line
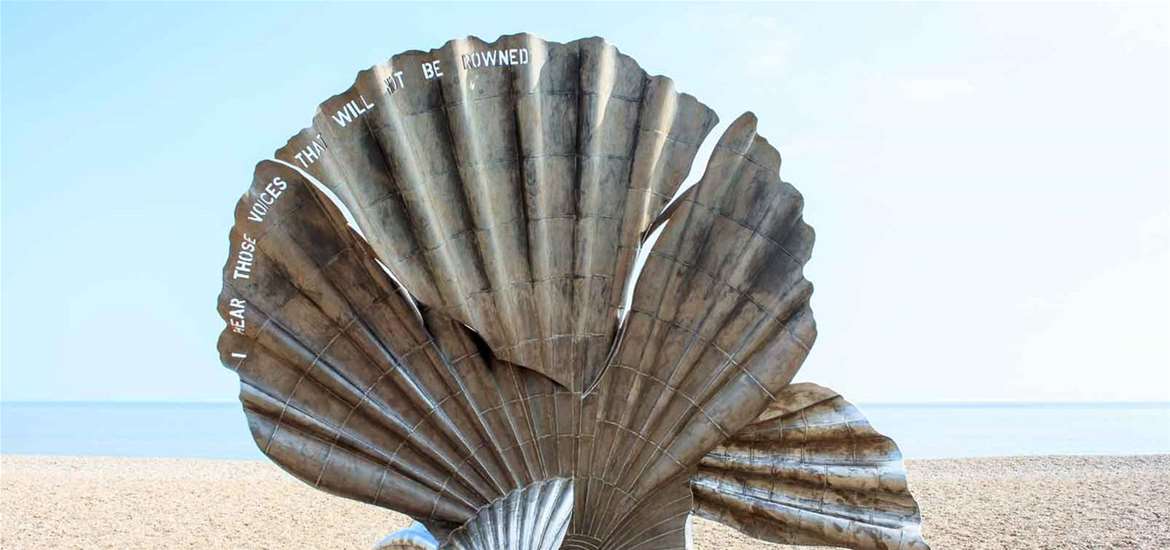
x: 977, y: 403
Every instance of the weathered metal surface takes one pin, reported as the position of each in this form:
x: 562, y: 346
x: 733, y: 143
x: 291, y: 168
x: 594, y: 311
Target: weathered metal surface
x: 531, y: 518
x: 507, y: 187
x: 812, y: 471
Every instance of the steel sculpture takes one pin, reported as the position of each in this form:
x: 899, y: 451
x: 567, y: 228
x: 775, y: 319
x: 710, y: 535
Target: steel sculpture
x: 463, y: 356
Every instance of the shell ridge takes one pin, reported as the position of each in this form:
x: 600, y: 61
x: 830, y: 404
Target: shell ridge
x: 760, y: 489
x: 497, y: 279
x: 633, y: 396
x: 614, y: 305
x: 652, y: 422
x: 425, y: 445
x: 415, y: 178
x: 662, y: 516
x: 597, y: 372
x: 304, y: 428
x: 476, y: 411
x: 399, y: 170
x: 532, y: 432
x: 520, y: 182
x: 510, y: 374
x: 356, y: 396
x: 653, y: 461
x: 489, y: 529
x: 349, y: 318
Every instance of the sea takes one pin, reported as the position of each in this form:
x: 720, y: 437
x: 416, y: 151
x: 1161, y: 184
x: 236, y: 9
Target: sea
x: 922, y: 431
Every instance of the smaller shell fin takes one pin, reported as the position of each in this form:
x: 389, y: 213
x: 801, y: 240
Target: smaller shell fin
x: 811, y: 471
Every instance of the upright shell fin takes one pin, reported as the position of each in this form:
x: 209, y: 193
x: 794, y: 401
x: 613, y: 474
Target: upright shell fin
x: 719, y: 324
x: 811, y: 471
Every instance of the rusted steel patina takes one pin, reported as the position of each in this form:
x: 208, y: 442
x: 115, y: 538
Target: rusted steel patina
x: 462, y: 352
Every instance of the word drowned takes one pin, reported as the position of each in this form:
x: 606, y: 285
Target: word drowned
x: 352, y: 110
x: 267, y: 198
x: 311, y: 152
x: 495, y: 58
x: 236, y: 308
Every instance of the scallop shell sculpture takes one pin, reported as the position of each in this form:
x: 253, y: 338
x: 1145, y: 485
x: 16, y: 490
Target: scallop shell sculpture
x: 461, y: 353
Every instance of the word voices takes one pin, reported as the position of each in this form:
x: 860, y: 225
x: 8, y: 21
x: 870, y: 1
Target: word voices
x: 266, y: 199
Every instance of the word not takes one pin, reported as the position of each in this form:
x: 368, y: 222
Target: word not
x: 352, y: 110
x: 312, y: 152
x: 236, y: 312
x: 431, y: 69
x: 394, y: 82
x: 495, y: 58
x: 244, y: 258
x: 266, y: 199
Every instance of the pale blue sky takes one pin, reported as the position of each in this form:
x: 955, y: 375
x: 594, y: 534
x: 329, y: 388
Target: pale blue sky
x: 990, y: 184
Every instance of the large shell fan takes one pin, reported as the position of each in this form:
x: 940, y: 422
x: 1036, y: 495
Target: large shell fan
x: 511, y: 198
x: 345, y: 386
x: 461, y: 359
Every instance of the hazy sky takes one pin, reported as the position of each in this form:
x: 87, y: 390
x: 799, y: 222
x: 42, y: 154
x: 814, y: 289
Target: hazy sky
x: 990, y: 184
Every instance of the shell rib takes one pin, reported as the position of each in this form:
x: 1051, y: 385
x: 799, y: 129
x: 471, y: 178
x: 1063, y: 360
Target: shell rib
x: 660, y: 522
x: 531, y: 518
x: 810, y: 471
x: 510, y: 198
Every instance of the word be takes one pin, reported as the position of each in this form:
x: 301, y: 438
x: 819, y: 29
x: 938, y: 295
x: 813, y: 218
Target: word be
x: 431, y: 69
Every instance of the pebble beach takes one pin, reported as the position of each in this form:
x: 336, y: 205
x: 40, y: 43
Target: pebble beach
x: 95, y: 502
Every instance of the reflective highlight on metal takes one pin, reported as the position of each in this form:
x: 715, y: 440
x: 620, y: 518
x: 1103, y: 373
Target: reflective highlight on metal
x: 462, y: 352
x: 532, y: 518
x: 810, y: 471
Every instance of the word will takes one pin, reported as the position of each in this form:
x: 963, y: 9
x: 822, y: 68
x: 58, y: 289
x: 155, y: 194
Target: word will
x: 352, y: 110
